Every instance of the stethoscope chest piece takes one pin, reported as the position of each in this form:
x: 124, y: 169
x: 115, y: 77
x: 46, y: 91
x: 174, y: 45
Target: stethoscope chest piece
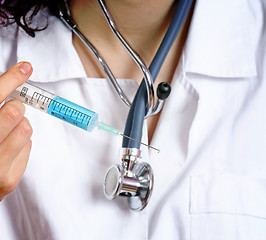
x: 132, y: 179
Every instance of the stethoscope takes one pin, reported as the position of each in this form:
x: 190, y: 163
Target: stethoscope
x: 133, y: 178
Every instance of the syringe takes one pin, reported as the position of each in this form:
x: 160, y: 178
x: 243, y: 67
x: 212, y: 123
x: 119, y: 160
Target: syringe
x: 63, y: 109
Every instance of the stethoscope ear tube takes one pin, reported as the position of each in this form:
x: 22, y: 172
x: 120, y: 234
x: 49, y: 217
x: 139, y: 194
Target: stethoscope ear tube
x: 136, y: 117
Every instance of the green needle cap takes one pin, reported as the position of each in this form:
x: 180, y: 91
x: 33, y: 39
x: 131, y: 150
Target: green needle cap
x: 103, y: 126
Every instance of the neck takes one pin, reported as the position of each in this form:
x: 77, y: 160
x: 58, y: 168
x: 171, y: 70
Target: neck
x: 142, y: 23
x: 136, y: 19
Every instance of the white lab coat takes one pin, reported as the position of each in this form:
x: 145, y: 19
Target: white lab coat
x: 210, y: 176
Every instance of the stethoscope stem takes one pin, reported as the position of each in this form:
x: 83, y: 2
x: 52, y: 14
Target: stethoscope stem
x: 142, y: 66
x: 67, y: 19
x: 104, y: 66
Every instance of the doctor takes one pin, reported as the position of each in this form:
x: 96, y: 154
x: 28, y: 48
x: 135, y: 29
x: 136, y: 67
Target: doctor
x: 210, y: 176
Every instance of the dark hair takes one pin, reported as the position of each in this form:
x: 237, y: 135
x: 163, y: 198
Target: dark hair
x: 22, y: 12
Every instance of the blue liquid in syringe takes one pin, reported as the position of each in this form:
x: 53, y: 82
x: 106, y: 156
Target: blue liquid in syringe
x: 72, y: 113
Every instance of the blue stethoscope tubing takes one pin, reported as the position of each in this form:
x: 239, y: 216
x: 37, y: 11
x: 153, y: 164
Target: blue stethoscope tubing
x: 136, y: 115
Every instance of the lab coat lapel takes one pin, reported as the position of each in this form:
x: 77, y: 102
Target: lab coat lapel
x: 44, y: 46
x: 221, y: 41
x: 221, y: 45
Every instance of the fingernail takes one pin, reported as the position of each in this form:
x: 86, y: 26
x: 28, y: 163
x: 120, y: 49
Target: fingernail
x: 25, y: 68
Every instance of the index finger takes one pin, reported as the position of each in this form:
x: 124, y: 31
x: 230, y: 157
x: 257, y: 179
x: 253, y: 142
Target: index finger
x: 13, y: 78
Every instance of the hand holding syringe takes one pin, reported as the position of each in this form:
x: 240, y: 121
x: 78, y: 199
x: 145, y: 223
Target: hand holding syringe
x: 63, y: 109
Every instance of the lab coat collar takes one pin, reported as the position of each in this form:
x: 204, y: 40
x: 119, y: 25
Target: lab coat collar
x: 54, y: 43
x: 222, y: 41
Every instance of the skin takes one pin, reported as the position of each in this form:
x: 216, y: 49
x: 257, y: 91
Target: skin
x: 142, y: 23
x: 15, y: 130
x: 144, y: 32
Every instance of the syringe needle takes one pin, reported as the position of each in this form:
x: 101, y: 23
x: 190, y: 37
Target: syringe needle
x: 149, y: 146
x: 107, y: 128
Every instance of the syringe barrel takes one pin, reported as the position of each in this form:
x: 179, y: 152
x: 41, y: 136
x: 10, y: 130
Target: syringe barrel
x: 56, y: 106
x: 73, y: 113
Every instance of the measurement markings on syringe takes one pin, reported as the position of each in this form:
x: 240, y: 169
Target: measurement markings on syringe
x: 69, y: 114
x: 45, y: 101
x: 60, y: 108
